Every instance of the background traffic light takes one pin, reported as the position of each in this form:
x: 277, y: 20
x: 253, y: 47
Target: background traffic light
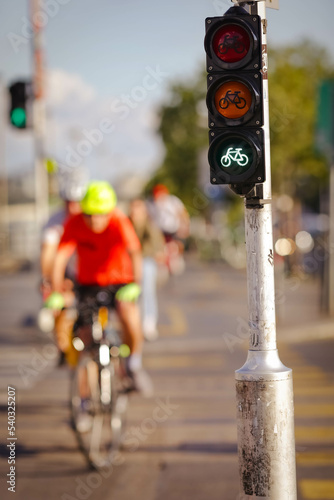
x: 20, y: 98
x: 235, y: 99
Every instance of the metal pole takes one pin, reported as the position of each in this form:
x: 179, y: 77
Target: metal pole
x: 331, y: 240
x: 41, y: 176
x: 4, y: 216
x: 265, y: 419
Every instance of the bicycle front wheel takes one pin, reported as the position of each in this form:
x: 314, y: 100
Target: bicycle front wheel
x: 97, y: 411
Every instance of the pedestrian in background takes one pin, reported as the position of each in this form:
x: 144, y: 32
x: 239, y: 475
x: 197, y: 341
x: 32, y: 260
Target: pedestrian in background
x: 152, y: 242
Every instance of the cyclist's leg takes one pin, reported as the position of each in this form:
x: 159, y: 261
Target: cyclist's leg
x: 64, y: 321
x: 149, y: 301
x: 129, y: 316
x: 83, y: 330
x: 63, y: 329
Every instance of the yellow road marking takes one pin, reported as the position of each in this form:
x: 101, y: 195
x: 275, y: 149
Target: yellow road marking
x: 321, y: 390
x: 178, y: 322
x: 315, y: 458
x: 182, y: 361
x: 316, y: 489
x: 312, y: 434
x: 312, y: 377
x: 314, y: 410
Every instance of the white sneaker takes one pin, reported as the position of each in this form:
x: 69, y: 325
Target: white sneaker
x: 151, y: 334
x: 84, y: 422
x: 141, y: 382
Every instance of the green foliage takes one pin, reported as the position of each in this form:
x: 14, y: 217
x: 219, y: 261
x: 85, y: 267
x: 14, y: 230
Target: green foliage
x: 294, y: 77
x: 183, y: 136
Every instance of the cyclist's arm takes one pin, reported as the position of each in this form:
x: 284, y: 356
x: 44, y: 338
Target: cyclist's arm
x: 50, y: 241
x: 58, y: 275
x: 132, y: 244
x: 65, y: 250
x: 48, y: 253
x: 137, y: 265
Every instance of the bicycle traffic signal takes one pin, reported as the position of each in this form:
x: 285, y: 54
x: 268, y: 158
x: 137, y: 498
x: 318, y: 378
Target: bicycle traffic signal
x: 20, y: 93
x: 235, y: 99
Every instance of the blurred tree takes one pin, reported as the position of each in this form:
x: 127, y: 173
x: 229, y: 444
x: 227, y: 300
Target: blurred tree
x: 184, y: 135
x: 294, y: 77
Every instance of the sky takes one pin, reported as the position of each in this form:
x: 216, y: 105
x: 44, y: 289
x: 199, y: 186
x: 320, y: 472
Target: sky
x: 111, y: 61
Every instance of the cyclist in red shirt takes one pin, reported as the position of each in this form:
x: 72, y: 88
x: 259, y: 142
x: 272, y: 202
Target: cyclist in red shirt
x: 109, y: 254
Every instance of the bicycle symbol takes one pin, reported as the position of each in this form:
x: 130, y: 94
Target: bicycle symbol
x: 232, y: 98
x: 231, y: 42
x: 234, y: 155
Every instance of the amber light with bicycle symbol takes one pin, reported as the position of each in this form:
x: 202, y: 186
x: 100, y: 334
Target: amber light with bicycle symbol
x: 233, y: 100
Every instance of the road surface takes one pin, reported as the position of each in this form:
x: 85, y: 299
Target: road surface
x: 181, y: 444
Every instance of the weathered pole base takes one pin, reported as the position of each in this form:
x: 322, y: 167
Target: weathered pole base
x: 265, y: 419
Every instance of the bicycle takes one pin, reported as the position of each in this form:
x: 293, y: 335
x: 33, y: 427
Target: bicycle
x: 98, y: 397
x: 232, y: 98
x: 234, y: 155
x: 231, y: 42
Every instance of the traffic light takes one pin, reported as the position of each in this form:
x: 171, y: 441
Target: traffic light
x: 235, y: 100
x: 20, y: 94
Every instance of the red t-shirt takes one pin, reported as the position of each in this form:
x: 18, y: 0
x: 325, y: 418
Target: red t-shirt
x: 103, y: 258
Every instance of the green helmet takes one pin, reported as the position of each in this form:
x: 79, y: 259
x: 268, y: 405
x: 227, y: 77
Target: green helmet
x: 100, y: 198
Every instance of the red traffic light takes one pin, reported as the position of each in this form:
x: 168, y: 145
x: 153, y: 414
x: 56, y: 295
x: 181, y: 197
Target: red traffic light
x: 231, y: 43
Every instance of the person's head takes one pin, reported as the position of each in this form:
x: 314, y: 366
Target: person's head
x: 72, y: 187
x: 138, y: 211
x: 159, y: 191
x: 97, y: 205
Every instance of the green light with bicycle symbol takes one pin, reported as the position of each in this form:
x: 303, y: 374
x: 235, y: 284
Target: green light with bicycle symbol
x: 235, y: 156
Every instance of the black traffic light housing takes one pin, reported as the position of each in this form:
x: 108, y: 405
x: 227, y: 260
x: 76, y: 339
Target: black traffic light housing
x: 20, y: 97
x: 235, y: 100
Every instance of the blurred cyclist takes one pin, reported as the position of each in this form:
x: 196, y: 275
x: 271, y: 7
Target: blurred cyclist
x: 72, y: 187
x: 109, y: 255
x: 172, y: 218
